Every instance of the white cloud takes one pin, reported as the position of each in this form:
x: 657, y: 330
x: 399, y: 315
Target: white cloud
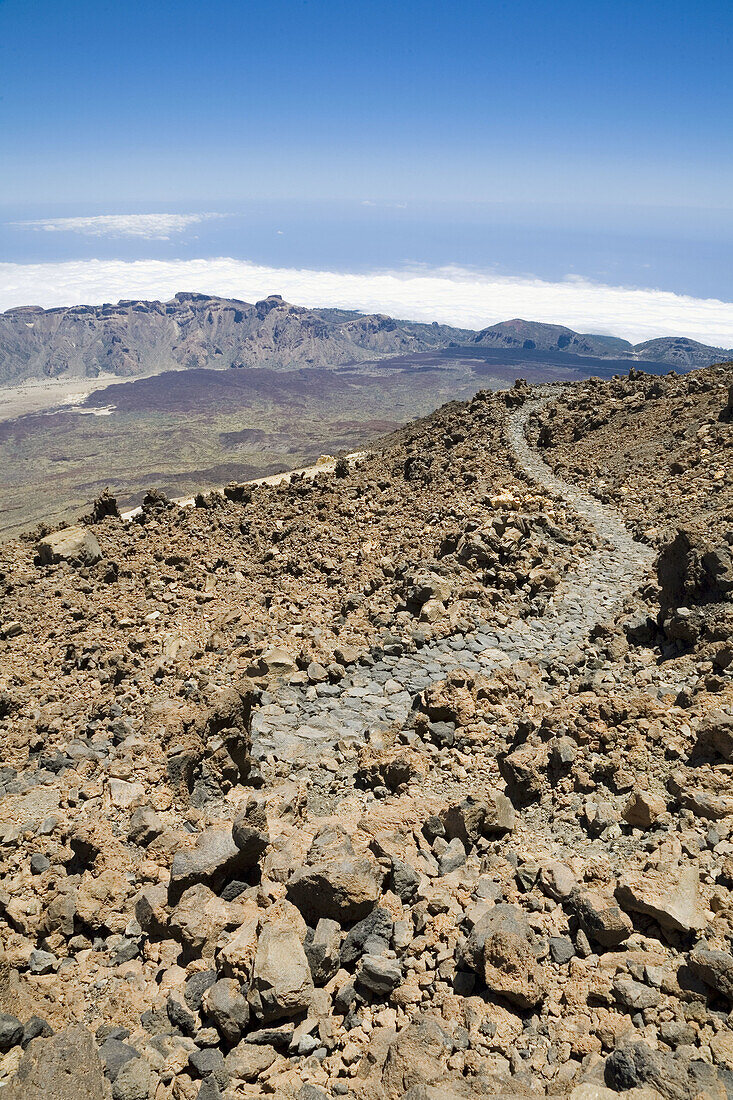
x: 151, y: 227
x: 451, y: 295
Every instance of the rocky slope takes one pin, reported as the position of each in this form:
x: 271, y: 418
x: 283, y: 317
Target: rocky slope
x: 408, y: 780
x: 195, y: 330
x: 134, y: 338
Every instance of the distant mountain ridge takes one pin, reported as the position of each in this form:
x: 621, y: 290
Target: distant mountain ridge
x: 678, y: 351
x: 133, y: 338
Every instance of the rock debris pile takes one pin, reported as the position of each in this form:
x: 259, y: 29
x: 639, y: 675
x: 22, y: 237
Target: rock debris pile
x: 411, y: 780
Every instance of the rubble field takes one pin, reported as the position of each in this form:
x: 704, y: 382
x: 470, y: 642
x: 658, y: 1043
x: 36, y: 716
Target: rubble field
x: 411, y: 779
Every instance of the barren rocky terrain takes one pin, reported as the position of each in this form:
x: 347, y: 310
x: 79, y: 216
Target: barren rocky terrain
x: 411, y: 779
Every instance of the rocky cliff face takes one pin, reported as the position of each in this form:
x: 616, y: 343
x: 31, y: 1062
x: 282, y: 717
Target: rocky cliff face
x: 134, y: 338
x: 193, y: 330
x: 411, y: 779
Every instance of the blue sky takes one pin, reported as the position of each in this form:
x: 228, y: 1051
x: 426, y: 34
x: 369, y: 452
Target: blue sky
x: 618, y: 102
x: 528, y: 139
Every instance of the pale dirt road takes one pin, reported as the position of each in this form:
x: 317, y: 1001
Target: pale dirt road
x: 325, y: 464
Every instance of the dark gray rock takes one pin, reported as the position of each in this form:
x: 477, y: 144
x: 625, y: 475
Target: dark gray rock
x: 114, y: 1054
x: 209, y: 1090
x: 715, y: 968
x: 209, y: 1063
x: 379, y: 924
x: 405, y: 880
x: 322, y: 948
x: 42, y: 962
x: 225, y: 1005
x: 378, y: 974
x: 195, y: 987
x: 602, y: 920
x: 135, y: 1081
x: 453, y: 857
x: 311, y: 1092
x: 634, y: 996
x: 11, y: 1031
x: 35, y: 1028
x: 562, y: 949
x: 63, y: 1067
x: 180, y: 1015
x: 250, y: 831
x: 145, y: 826
x: 674, y: 1077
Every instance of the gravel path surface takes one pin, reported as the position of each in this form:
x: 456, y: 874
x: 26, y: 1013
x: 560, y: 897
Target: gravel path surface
x: 305, y: 724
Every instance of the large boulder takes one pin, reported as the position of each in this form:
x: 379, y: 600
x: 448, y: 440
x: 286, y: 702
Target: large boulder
x: 282, y: 985
x: 691, y: 571
x: 474, y: 817
x: 671, y: 896
x: 250, y: 831
x: 502, y: 950
x: 601, y: 918
x: 64, y: 1067
x: 74, y: 544
x: 214, y: 858
x: 336, y: 882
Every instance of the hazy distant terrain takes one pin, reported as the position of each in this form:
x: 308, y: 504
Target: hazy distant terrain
x: 214, y: 389
x: 187, y: 430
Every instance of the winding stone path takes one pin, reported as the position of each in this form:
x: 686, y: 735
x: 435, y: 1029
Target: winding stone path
x: 305, y: 723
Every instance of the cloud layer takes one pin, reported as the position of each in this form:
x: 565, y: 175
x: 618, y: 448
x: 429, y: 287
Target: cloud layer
x: 150, y: 227
x: 450, y: 295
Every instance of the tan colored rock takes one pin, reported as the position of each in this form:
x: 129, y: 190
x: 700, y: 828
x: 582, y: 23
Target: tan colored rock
x: 73, y: 544
x: 721, y: 1045
x: 278, y: 662
x: 237, y: 956
x: 417, y: 1056
x: 124, y: 794
x: 200, y: 917
x: 336, y: 882
x: 671, y: 897
x: 247, y: 1061
x: 281, y: 984
x: 643, y: 809
x: 102, y: 902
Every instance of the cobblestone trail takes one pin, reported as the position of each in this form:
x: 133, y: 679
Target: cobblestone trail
x: 304, y: 724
